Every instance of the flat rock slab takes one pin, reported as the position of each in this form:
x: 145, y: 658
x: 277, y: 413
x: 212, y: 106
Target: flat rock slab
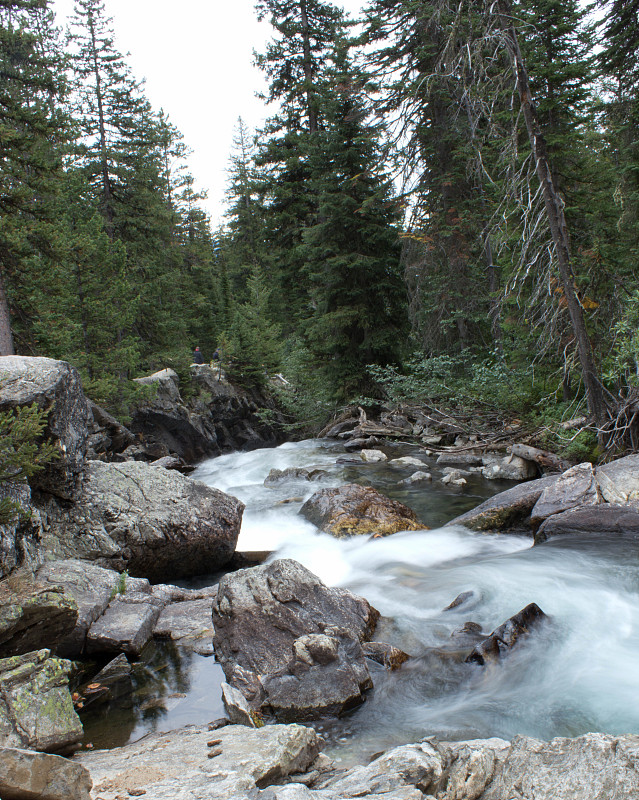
x: 25, y: 775
x: 126, y: 625
x: 459, y: 459
x: 353, y: 510
x: 506, y: 509
x: 91, y: 587
x: 36, y: 710
x: 176, y: 765
x: 601, y: 519
x: 33, y: 616
x: 188, y: 624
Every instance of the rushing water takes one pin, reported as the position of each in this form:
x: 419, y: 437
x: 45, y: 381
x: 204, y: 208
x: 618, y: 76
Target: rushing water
x: 577, y: 673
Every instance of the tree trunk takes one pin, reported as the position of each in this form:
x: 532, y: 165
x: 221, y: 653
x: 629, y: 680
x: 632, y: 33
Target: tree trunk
x: 556, y: 220
x: 6, y: 339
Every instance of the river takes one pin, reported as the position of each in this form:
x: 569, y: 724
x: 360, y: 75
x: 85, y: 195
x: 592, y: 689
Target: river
x: 576, y: 674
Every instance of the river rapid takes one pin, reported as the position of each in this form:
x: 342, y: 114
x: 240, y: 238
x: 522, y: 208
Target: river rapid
x: 578, y: 673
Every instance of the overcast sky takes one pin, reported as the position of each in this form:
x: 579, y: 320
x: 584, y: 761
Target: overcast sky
x: 196, y: 57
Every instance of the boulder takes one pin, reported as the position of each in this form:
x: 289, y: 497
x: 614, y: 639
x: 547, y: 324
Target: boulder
x: 182, y: 766
x: 418, y: 477
x: 508, y: 468
x: 506, y: 636
x: 574, y: 487
x: 454, y: 459
x: 455, y: 477
x: 126, y: 625
x: 36, y: 710
x: 618, y: 481
x: 25, y: 775
x: 33, y: 616
x: 507, y: 509
x: 188, y: 624
x: 277, y: 476
x: 600, y: 519
x: 147, y: 520
x: 352, y: 510
x: 55, y: 386
x: 406, y: 461
x: 286, y: 640
x: 237, y: 708
x: 373, y: 456
x: 362, y: 443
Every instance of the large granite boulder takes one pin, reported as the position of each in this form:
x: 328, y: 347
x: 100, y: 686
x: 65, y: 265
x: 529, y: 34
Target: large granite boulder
x: 32, y: 615
x: 25, y: 775
x: 290, y: 643
x: 182, y: 765
x: 509, y: 509
x: 36, y: 710
x: 150, y: 521
x: 55, y: 386
x: 602, y: 519
x: 218, y: 418
x: 353, y: 510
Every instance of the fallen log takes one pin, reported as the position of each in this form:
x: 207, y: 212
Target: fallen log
x: 548, y: 461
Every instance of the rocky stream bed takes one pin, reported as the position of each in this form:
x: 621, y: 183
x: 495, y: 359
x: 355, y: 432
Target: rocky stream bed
x: 373, y: 654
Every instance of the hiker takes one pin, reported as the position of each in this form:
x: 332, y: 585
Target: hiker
x: 216, y: 355
x: 198, y: 358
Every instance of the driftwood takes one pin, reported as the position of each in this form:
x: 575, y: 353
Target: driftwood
x: 549, y: 461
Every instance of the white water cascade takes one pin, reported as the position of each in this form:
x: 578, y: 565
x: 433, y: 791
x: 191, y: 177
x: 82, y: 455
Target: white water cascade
x: 576, y: 674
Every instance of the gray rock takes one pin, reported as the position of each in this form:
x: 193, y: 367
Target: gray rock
x: 362, y: 443
x: 237, y: 708
x: 113, y: 682
x: 454, y: 477
x: 33, y: 616
x: 53, y: 385
x: 36, y: 710
x: 385, y: 654
x: 406, y: 461
x: 352, y: 510
x: 261, y: 618
x: 187, y: 623
x: 418, y: 477
x: 574, y: 487
x: 507, y: 635
x: 459, y: 459
x: 506, y: 509
x: 510, y: 468
x: 126, y: 625
x: 600, y: 519
x: 373, y: 456
x: 154, y: 523
x: 619, y: 481
x: 25, y: 775
x: 176, y: 766
x: 92, y: 589
x: 277, y: 476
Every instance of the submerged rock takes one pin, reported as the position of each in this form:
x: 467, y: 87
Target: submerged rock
x: 385, y: 654
x: 36, y: 710
x: 353, y: 510
x: 291, y: 643
x: 506, y: 636
x: 277, y: 476
x: 152, y: 522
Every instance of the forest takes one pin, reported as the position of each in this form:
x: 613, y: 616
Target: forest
x: 443, y: 204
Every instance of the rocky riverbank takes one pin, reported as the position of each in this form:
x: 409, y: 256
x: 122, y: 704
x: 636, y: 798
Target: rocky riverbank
x: 88, y: 574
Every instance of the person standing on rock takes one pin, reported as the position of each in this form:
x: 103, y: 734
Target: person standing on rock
x: 198, y: 358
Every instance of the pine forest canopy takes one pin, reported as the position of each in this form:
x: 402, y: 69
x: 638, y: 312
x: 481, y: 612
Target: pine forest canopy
x: 444, y: 201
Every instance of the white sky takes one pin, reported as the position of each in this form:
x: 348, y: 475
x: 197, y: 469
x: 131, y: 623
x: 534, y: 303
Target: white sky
x: 196, y: 57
